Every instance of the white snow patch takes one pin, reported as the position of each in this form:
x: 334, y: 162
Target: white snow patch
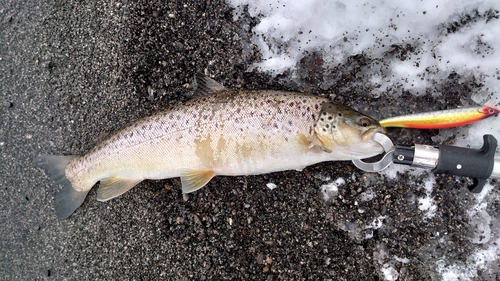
x: 403, y: 260
x: 331, y: 190
x: 367, y: 195
x: 486, y: 232
x: 354, y: 230
x: 271, y: 185
x: 393, y: 171
x: 453, y: 272
x: 289, y: 29
x: 481, y: 219
x: 427, y: 203
x: 387, y: 265
x: 375, y: 224
x: 424, y: 203
x: 390, y: 273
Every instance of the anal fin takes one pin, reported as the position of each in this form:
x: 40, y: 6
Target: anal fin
x: 193, y: 180
x: 113, y: 187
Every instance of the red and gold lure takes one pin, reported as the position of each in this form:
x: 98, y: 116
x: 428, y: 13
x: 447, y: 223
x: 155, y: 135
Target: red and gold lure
x: 441, y: 119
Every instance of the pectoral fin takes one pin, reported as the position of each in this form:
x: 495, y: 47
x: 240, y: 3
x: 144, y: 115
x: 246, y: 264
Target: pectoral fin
x: 313, y: 146
x: 319, y: 148
x: 193, y: 180
x: 114, y: 187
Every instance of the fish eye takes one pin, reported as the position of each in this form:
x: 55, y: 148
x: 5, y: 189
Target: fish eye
x: 365, y: 122
x: 491, y: 111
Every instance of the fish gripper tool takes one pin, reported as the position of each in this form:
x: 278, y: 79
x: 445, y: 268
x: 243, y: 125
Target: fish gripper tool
x: 477, y: 164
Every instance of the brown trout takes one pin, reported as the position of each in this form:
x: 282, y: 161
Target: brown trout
x: 223, y: 132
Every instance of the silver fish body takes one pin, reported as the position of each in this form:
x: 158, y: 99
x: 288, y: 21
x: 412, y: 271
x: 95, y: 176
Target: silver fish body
x: 224, y: 132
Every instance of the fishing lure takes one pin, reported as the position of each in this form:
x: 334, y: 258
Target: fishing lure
x: 441, y: 119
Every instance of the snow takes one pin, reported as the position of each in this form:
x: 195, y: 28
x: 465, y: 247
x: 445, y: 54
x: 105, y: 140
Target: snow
x: 288, y: 30
x: 427, y: 204
x: 271, y: 185
x: 331, y: 190
x: 390, y: 273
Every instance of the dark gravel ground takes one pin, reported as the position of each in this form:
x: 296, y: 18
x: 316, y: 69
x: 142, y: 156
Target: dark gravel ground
x: 72, y: 71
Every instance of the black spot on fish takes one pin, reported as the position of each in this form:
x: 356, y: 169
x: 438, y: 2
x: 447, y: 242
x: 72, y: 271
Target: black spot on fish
x: 327, y: 126
x: 316, y: 106
x: 324, y: 113
x: 330, y: 118
x: 334, y: 127
x: 321, y: 119
x: 324, y: 130
x: 290, y: 122
x: 339, y: 114
x: 292, y: 104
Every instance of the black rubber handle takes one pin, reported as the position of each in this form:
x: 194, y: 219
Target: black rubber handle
x: 474, y: 163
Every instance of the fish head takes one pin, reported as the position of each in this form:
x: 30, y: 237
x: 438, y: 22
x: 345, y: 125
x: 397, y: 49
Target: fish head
x: 340, y: 127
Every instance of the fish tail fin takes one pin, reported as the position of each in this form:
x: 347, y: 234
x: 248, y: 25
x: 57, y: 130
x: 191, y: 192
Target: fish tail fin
x: 67, y: 200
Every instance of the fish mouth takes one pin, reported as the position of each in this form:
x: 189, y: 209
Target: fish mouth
x: 368, y: 135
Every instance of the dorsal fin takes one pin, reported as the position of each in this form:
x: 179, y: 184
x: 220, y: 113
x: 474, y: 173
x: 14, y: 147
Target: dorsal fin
x: 204, y: 85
